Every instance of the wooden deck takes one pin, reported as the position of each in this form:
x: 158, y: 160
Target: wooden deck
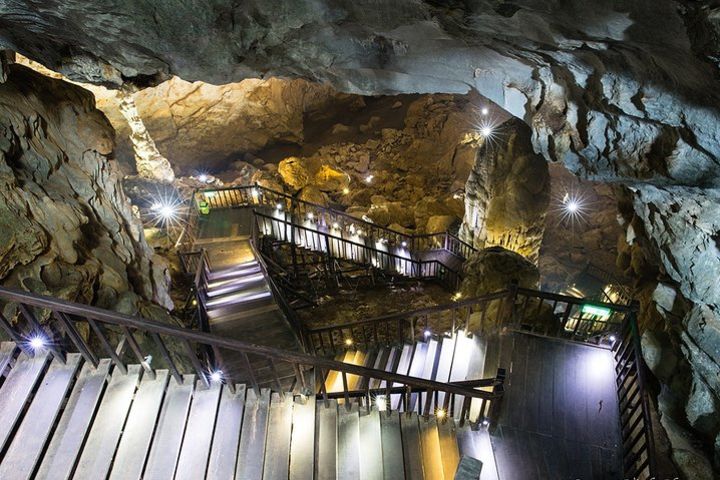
x: 559, y: 417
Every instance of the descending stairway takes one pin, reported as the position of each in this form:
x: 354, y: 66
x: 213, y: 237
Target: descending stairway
x: 443, y: 359
x: 72, y: 420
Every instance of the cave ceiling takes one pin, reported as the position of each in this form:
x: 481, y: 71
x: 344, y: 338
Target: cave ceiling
x: 617, y: 90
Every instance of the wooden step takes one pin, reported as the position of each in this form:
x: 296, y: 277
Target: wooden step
x: 326, y: 440
x: 99, y: 449
x: 416, y: 368
x: 251, y: 453
x: 431, y: 359
x: 442, y: 372
x: 302, y: 444
x: 167, y: 442
x: 195, y: 450
x: 348, y: 446
x: 71, y: 431
x: 137, y: 434
x: 27, y: 445
x: 370, y: 443
x: 226, y: 439
x: 460, y: 363
x: 449, y: 453
x: 412, y: 447
x: 392, y: 445
x: 430, y: 444
x: 16, y: 390
x: 277, y: 453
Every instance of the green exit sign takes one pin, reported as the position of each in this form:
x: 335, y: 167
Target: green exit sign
x: 596, y: 310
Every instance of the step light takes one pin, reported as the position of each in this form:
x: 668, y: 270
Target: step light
x: 216, y: 376
x: 404, y: 244
x: 381, y: 403
x: 279, y: 206
x: 37, y: 342
x: 427, y: 333
x: 348, y: 342
x: 440, y: 413
x: 345, y: 191
x: 369, y: 178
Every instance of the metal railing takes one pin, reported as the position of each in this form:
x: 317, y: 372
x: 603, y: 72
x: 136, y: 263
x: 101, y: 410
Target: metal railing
x: 177, y: 348
x: 326, y: 217
x: 197, y: 264
x: 408, y: 327
x: 635, y: 423
x: 354, y: 249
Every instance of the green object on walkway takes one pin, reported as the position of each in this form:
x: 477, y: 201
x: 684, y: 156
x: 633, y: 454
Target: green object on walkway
x: 596, y: 310
x: 204, y: 208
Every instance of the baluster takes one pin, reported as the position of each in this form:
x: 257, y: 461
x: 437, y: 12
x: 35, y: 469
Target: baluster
x: 428, y: 402
x: 190, y: 352
x: 251, y: 374
x: 138, y: 353
x: 299, y: 378
x: 168, y: 360
x: 106, y: 345
x: 323, y: 389
x: 76, y: 338
x: 14, y: 336
x: 345, y: 391
x: 276, y: 377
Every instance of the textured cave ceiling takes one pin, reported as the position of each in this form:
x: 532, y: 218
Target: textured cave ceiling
x: 617, y: 90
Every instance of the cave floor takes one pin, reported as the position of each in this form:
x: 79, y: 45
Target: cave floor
x: 559, y: 416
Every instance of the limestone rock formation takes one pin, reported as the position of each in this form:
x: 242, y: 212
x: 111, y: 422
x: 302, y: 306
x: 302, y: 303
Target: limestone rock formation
x: 495, y: 268
x: 66, y: 227
x: 507, y: 193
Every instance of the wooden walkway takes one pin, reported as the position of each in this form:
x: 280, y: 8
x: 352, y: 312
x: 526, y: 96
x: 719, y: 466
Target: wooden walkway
x: 73, y: 420
x: 559, y: 417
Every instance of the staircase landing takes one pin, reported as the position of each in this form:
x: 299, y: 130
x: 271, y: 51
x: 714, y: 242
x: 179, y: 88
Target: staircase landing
x: 559, y: 417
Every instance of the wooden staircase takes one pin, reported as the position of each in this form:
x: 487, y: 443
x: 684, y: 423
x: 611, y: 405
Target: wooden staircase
x: 74, y: 420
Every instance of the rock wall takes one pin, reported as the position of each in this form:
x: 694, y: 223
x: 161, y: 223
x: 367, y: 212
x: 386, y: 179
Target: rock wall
x: 66, y: 228
x: 507, y: 193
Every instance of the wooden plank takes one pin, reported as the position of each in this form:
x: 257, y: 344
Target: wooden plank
x: 166, y: 444
x: 326, y: 441
x: 476, y: 444
x: 412, y: 447
x: 193, y: 460
x: 371, y: 452
x: 348, y: 447
x: 277, y: 455
x: 448, y: 447
x: 99, y: 449
x: 7, y: 352
x: 431, y: 359
x: 302, y: 444
x: 30, y: 438
x: 67, y: 440
x: 430, y: 444
x: 16, y: 390
x: 251, y: 454
x: 223, y: 456
x: 392, y: 446
x: 137, y: 434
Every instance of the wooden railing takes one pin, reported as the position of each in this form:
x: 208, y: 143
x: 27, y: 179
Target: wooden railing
x: 355, y: 249
x: 327, y: 218
x: 564, y: 316
x: 408, y: 327
x: 154, y: 344
x: 635, y: 422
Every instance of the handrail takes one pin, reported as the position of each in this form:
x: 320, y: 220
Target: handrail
x: 354, y: 251
x: 67, y: 314
x: 635, y: 423
x: 226, y: 197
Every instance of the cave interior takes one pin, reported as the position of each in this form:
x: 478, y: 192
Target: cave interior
x: 295, y: 239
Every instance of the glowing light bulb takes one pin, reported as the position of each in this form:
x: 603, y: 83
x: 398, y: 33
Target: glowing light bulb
x: 485, y: 110
x: 345, y: 191
x: 486, y: 131
x: 203, y: 178
x: 369, y: 178
x: 441, y: 413
x: 216, y: 376
x: 310, y: 215
x: 485, y: 422
x: 167, y: 212
x: 612, y: 338
x: 348, y: 342
x: 380, y: 403
x: 279, y: 206
x: 572, y: 206
x: 335, y: 225
x: 404, y: 244
x: 427, y: 332
x: 37, y: 342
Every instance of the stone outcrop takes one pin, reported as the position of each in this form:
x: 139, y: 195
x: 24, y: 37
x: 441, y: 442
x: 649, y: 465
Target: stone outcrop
x: 507, y: 193
x: 66, y: 227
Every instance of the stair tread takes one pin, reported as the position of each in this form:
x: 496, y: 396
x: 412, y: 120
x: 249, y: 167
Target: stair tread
x: 104, y: 435
x: 392, y: 445
x: 348, y: 458
x: 251, y: 453
x: 326, y: 440
x: 137, y: 434
x: 302, y: 444
x: 16, y: 389
x: 166, y: 444
x: 26, y: 448
x: 277, y: 455
x: 75, y: 421
x: 226, y: 439
x: 370, y: 448
x: 412, y: 447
